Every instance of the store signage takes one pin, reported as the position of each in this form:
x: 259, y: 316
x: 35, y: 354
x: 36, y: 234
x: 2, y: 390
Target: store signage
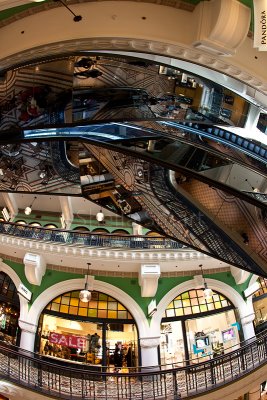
x: 260, y: 26
x: 237, y: 325
x: 76, y: 342
x: 252, y: 289
x: 152, y: 308
x: 23, y: 291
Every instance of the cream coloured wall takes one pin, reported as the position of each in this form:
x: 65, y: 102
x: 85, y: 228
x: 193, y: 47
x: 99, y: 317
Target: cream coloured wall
x: 120, y: 26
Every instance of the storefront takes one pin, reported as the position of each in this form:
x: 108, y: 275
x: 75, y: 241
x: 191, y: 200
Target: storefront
x: 101, y: 332
x: 260, y: 305
x: 196, y: 329
x: 9, y: 310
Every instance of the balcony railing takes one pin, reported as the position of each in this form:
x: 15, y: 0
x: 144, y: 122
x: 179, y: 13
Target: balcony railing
x: 31, y: 371
x: 88, y: 238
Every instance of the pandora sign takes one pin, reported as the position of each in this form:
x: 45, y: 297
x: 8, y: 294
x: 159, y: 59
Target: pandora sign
x: 260, y: 13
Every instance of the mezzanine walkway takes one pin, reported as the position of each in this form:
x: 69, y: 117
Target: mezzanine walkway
x: 33, y: 371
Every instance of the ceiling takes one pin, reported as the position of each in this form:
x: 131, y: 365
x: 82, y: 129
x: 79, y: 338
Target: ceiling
x: 9, y: 8
x: 48, y: 203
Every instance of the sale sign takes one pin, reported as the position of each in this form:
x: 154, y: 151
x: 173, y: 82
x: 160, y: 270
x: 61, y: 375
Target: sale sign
x: 76, y: 342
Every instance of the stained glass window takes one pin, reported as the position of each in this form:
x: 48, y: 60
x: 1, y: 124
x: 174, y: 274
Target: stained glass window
x: 100, y: 306
x: 193, y: 302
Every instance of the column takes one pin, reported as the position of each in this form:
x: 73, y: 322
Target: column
x: 137, y: 229
x: 67, y: 213
x: 149, y: 351
x: 28, y: 332
x: 247, y: 325
x: 252, y: 117
x: 254, y: 393
x: 11, y: 204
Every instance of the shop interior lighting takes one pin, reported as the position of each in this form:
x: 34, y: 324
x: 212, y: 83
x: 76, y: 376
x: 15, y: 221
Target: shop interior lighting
x: 207, y: 292
x: 85, y: 294
x: 28, y: 209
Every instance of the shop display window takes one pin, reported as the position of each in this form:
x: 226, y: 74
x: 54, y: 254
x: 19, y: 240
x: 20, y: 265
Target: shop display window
x: 260, y: 306
x: 263, y: 287
x: 214, y: 334
x: 84, y: 332
x: 206, y: 325
x: 9, y: 309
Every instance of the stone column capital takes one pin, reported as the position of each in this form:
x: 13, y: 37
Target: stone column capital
x: 247, y: 319
x: 27, y: 327
x: 150, y: 342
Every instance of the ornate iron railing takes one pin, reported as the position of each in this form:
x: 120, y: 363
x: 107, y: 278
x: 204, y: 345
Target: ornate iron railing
x: 88, y: 238
x: 32, y: 371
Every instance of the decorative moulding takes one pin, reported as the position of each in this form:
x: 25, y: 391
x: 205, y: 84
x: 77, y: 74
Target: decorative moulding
x: 223, y: 25
x: 35, y: 267
x: 148, y: 279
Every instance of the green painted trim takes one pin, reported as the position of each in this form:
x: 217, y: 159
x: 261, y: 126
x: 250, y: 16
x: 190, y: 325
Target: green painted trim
x: 128, y: 285
x: 229, y: 280
x: 16, y: 10
x: 52, y: 277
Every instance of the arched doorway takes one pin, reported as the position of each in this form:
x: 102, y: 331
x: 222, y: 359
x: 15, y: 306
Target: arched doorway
x: 195, y: 329
x: 9, y: 310
x: 88, y: 332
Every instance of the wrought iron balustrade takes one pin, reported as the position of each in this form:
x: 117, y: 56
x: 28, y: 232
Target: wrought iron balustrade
x: 88, y: 238
x: 33, y: 371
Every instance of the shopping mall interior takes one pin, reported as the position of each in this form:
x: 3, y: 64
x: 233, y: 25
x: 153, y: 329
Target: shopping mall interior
x: 133, y: 192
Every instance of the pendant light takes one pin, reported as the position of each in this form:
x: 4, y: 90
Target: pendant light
x: 85, y: 294
x: 28, y: 209
x: 207, y: 292
x: 100, y: 216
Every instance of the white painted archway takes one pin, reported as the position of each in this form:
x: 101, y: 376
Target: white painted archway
x: 76, y: 284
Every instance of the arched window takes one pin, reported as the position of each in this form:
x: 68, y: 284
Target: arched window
x: 35, y: 224
x: 81, y: 229
x: 120, y: 232
x: 100, y: 230
x: 193, y: 302
x: 194, y: 327
x: 50, y: 226
x: 100, y: 306
x: 153, y: 234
